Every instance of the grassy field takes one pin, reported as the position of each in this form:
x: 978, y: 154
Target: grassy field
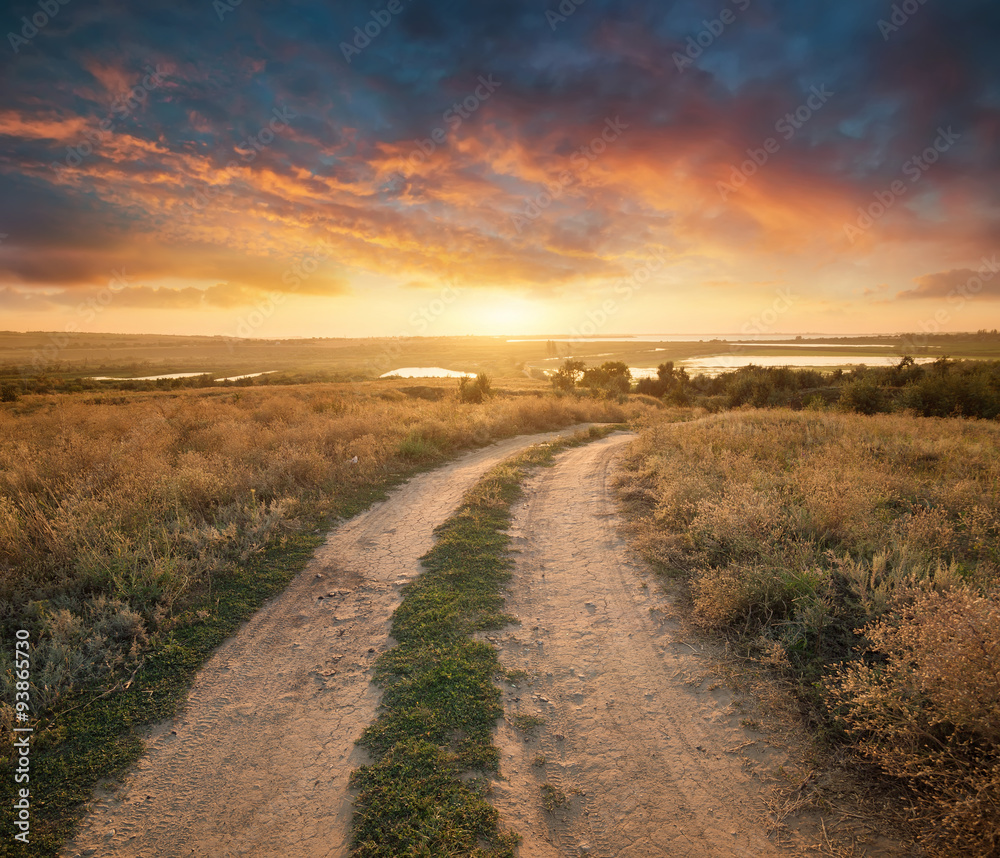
x: 138, y: 530
x: 859, y: 559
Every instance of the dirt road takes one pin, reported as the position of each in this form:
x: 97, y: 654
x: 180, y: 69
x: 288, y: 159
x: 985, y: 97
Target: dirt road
x: 639, y: 762
x: 257, y: 764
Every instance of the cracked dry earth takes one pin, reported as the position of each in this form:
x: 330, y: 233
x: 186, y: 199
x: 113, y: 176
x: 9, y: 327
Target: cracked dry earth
x: 639, y: 762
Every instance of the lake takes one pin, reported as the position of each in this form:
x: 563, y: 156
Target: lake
x: 426, y: 372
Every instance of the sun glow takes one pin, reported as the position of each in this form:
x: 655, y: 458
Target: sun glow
x: 500, y: 315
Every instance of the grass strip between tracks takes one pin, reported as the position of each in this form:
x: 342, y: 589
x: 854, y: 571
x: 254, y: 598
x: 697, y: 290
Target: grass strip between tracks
x: 440, y: 699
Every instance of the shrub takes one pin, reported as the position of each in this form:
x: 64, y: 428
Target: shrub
x: 611, y: 377
x: 475, y: 390
x: 568, y: 374
x: 862, y: 395
x: 751, y: 596
x: 928, y: 712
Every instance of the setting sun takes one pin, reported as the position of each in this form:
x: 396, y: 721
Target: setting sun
x: 505, y: 315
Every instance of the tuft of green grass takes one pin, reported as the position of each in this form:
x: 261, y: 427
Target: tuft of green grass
x: 516, y: 675
x: 440, y: 699
x: 526, y: 723
x: 415, y: 448
x: 552, y: 797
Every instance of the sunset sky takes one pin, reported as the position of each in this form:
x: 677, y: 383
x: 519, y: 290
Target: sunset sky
x: 416, y: 167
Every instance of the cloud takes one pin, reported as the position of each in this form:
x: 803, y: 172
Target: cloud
x: 16, y: 300
x: 156, y: 198
x: 188, y: 298
x: 959, y: 281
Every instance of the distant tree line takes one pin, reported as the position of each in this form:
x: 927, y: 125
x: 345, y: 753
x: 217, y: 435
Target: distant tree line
x: 944, y: 388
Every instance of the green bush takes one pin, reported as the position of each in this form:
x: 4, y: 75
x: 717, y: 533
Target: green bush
x: 863, y: 395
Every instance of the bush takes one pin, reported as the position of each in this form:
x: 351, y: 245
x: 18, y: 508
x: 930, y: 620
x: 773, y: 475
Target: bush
x: 475, y: 390
x: 928, y: 713
x: 969, y: 388
x: 863, y: 395
x: 568, y: 374
x: 611, y: 378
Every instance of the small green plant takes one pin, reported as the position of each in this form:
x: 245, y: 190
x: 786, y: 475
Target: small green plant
x: 552, y: 797
x: 526, y: 723
x: 416, y: 448
x: 538, y: 760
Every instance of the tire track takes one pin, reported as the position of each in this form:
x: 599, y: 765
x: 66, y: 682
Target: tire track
x: 641, y: 758
x: 258, y: 762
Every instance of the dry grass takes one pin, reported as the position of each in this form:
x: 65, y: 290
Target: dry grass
x: 115, y: 511
x: 860, y: 557
x: 929, y: 714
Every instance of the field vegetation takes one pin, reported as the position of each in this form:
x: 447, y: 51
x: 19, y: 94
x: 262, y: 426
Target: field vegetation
x: 138, y: 530
x: 859, y: 558
x: 841, y: 538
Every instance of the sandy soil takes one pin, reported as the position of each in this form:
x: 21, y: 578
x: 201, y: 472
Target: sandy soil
x: 257, y: 764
